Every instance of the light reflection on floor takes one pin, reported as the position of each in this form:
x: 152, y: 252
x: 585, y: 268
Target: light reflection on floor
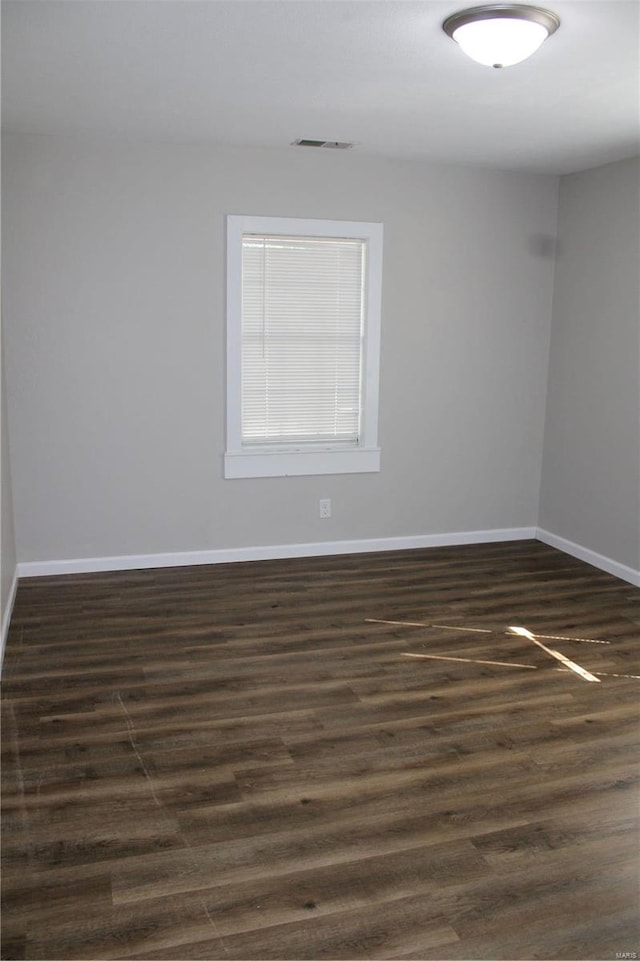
x: 556, y: 655
x: 469, y: 660
x: 569, y: 666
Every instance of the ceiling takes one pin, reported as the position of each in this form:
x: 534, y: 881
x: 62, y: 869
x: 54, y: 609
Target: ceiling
x: 380, y: 73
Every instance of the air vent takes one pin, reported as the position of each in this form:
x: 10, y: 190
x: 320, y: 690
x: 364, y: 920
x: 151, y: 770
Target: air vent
x: 329, y: 144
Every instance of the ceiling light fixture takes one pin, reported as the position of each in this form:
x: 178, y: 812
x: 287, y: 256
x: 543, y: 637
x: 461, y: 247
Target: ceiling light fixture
x: 501, y: 34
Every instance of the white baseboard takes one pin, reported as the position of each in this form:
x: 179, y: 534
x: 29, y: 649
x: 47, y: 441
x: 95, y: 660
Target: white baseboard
x: 86, y: 565
x: 590, y: 557
x: 127, y: 562
x: 6, y: 617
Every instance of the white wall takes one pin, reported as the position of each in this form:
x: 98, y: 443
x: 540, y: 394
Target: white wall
x: 590, y: 491
x: 114, y: 309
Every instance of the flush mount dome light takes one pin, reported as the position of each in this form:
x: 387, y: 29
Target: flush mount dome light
x: 499, y: 35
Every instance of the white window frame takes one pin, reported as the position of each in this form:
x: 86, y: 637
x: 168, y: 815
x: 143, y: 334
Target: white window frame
x: 293, y: 459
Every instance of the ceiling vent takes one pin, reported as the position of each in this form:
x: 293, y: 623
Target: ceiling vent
x: 329, y: 144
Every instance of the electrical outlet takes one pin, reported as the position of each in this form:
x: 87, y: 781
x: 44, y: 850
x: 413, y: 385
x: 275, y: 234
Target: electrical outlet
x: 325, y: 507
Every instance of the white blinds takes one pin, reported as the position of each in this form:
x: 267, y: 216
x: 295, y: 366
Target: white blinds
x: 302, y: 331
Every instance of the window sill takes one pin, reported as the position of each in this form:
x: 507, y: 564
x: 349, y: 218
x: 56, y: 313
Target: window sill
x: 301, y: 462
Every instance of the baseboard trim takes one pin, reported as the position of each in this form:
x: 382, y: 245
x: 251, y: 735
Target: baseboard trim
x: 128, y: 562
x: 88, y: 565
x: 590, y: 557
x: 6, y: 617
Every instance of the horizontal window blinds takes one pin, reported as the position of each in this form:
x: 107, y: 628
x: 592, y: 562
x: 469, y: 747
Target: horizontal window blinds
x: 302, y: 339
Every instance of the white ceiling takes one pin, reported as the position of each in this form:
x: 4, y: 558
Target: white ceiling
x: 378, y: 72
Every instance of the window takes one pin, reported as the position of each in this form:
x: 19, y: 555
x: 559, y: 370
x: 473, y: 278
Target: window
x: 303, y: 344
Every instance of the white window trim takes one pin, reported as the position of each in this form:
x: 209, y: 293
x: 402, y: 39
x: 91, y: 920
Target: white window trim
x: 292, y: 460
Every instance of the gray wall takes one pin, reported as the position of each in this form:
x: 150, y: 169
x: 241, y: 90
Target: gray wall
x: 7, y: 542
x: 590, y: 492
x: 115, y: 339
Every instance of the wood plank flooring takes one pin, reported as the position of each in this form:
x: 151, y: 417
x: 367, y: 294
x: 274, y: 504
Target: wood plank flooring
x: 246, y: 762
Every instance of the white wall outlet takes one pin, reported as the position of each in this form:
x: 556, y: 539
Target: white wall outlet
x: 325, y: 507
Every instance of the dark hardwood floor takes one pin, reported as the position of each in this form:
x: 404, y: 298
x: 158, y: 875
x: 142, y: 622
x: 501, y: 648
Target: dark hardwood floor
x: 246, y: 762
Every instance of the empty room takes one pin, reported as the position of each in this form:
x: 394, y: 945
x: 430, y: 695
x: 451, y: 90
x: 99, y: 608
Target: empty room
x: 320, y: 480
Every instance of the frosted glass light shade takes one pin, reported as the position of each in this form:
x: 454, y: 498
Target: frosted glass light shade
x: 501, y: 35
x: 500, y: 42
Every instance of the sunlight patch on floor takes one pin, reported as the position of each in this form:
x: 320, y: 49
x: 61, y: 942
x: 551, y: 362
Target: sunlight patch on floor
x: 569, y: 666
